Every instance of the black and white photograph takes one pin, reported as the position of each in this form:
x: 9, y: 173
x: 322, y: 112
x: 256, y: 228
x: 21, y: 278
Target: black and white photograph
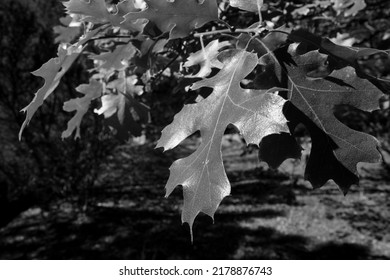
x: 194, y: 130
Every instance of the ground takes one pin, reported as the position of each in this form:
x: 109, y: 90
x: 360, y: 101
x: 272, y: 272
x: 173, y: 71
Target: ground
x: 269, y: 215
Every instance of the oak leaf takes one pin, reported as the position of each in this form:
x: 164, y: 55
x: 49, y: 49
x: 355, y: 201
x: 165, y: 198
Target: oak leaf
x: 117, y: 59
x: 121, y: 110
x: 206, y: 58
x: 52, y: 71
x: 96, y: 11
x: 255, y: 113
x: 338, y: 56
x: 348, y: 7
x: 67, y: 31
x: 81, y: 105
x: 336, y: 148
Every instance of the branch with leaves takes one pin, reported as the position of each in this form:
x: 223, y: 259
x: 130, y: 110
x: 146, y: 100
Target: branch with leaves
x: 291, y: 77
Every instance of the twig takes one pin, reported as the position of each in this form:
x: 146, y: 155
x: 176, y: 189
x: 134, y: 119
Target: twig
x: 230, y: 30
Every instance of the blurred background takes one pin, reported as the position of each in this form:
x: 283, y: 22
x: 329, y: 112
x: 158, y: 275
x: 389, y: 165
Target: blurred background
x: 98, y: 198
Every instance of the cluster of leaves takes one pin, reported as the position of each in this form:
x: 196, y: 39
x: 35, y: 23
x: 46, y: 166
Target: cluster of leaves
x: 262, y: 79
x: 42, y: 168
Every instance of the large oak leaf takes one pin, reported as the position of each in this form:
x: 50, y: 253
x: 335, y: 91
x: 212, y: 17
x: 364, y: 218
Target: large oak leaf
x: 255, y: 113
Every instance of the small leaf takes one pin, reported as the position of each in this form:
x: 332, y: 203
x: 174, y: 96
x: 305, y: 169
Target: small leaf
x: 338, y: 56
x: 52, y: 71
x: 121, y: 111
x: 65, y: 32
x: 91, y: 91
x: 206, y: 58
x: 94, y: 11
x: 348, y: 7
x: 117, y: 59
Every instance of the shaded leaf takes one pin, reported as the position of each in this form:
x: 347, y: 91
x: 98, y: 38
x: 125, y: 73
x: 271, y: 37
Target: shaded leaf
x: 117, y: 59
x: 271, y: 73
x: 317, y: 99
x: 91, y: 91
x: 276, y: 148
x: 121, y: 111
x: 256, y: 114
x: 338, y: 56
x: 147, y: 58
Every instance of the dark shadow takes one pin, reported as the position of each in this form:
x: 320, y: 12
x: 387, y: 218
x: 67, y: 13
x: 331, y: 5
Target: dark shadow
x: 344, y: 251
x: 130, y: 220
x: 149, y: 233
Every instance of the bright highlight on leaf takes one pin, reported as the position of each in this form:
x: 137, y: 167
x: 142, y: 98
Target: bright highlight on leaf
x: 255, y: 113
x: 122, y: 111
x: 247, y: 5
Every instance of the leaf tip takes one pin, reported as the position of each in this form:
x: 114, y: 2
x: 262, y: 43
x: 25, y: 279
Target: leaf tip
x: 25, y: 123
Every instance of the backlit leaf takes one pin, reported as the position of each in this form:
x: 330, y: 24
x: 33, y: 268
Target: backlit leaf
x: 91, y: 91
x: 52, y: 71
x: 206, y: 58
x: 96, y: 11
x: 122, y: 111
x: 256, y: 114
x: 66, y: 33
x: 247, y: 5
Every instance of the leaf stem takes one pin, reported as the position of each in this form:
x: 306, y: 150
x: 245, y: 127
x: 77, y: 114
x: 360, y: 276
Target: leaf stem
x: 230, y: 30
x: 278, y: 31
x: 259, y: 4
x: 108, y: 37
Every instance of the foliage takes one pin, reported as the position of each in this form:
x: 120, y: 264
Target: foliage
x: 262, y: 77
x: 42, y: 167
